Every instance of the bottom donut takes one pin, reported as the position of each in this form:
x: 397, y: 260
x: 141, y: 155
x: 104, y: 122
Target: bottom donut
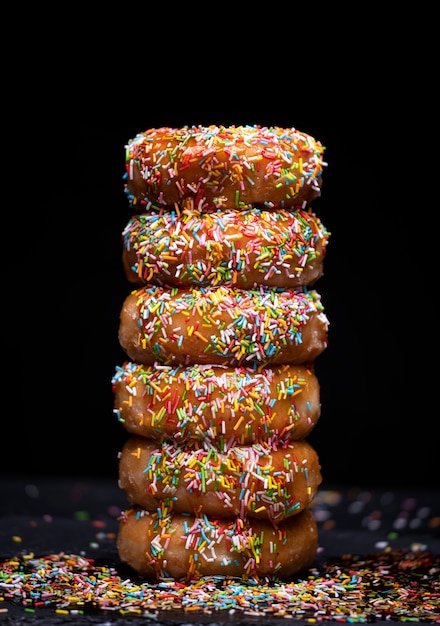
x: 180, y: 546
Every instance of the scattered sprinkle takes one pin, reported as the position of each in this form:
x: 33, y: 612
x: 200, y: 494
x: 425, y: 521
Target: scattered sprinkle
x: 398, y: 585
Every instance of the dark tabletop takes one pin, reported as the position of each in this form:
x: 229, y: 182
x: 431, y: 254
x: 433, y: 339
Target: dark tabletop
x: 378, y: 561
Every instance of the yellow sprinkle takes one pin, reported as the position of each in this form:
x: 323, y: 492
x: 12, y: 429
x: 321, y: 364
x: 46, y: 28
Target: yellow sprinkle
x: 155, y: 386
x: 200, y: 336
x: 238, y: 423
x: 154, y: 308
x: 287, y: 428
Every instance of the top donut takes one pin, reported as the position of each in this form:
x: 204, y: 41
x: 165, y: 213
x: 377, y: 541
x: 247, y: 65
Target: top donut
x: 216, y: 167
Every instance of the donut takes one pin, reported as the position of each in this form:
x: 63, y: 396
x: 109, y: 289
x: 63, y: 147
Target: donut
x: 162, y: 545
x: 222, y: 167
x: 222, y: 406
x: 222, y: 325
x: 278, y: 248
x: 251, y: 481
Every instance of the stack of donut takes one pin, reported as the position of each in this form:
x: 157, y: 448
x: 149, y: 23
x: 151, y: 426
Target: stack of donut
x: 221, y: 331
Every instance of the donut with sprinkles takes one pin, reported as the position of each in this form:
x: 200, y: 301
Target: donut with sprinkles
x: 185, y: 247
x: 223, y: 325
x: 223, y: 167
x: 165, y: 545
x: 257, y: 480
x: 220, y: 406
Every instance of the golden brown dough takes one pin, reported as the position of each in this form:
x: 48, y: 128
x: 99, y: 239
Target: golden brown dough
x: 249, y: 481
x: 223, y: 167
x: 223, y: 325
x: 222, y: 406
x: 244, y: 248
x: 163, y: 545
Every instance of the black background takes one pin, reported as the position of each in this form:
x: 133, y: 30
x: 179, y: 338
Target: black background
x: 64, y: 284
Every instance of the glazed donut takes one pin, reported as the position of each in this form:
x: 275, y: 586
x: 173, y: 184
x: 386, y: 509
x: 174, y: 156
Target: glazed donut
x: 163, y: 545
x: 219, y: 405
x: 223, y: 167
x: 222, y: 325
x: 250, y: 481
x: 243, y: 248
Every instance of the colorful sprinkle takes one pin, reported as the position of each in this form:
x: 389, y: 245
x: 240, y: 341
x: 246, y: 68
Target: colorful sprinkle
x: 394, y: 585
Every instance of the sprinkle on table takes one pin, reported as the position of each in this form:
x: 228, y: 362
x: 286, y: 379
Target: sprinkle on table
x: 396, y: 585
